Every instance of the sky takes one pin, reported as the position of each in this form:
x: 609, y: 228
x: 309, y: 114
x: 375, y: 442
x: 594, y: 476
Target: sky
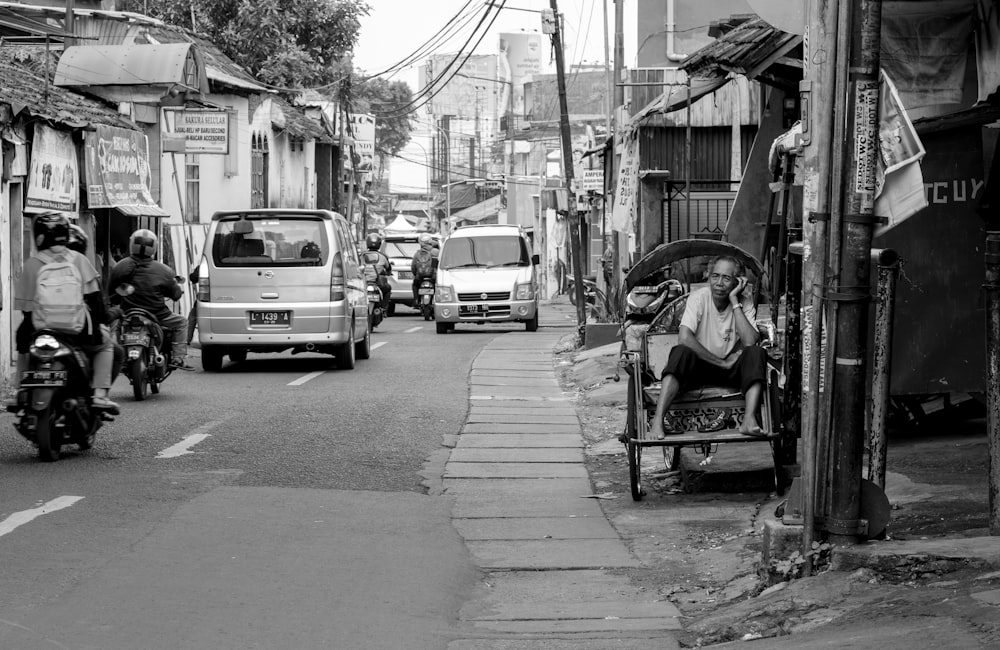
x: 397, y: 28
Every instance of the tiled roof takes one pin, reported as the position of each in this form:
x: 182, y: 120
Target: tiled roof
x: 753, y: 48
x: 298, y: 124
x: 25, y: 89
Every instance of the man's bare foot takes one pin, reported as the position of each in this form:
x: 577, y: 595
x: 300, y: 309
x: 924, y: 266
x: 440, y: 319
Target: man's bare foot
x: 656, y: 432
x: 750, y: 427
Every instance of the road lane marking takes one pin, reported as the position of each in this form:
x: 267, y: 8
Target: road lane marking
x: 304, y: 378
x: 196, y: 436
x: 24, y: 516
x: 376, y: 346
x: 412, y: 330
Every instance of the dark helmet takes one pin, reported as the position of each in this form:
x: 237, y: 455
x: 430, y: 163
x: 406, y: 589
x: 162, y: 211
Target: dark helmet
x: 77, y: 239
x: 373, y: 241
x: 50, y: 229
x: 142, y: 244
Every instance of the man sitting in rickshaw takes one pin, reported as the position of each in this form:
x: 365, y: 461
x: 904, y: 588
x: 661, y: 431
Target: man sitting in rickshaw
x: 716, y: 346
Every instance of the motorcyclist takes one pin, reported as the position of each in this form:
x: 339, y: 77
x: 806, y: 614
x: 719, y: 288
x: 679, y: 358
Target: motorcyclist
x: 78, y: 241
x: 424, y: 264
x: 51, y: 231
x: 383, y: 268
x: 140, y: 282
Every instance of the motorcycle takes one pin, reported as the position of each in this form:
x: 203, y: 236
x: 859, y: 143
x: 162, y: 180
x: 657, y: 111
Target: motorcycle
x: 426, y: 292
x: 589, y: 289
x: 147, y: 352
x: 54, y: 401
x: 375, y: 301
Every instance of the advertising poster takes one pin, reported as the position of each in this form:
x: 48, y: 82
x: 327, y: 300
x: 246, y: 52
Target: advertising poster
x: 363, y: 131
x: 117, y: 168
x: 623, y: 210
x: 520, y: 57
x: 54, y: 176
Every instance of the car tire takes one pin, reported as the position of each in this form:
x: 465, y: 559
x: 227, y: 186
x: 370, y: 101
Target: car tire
x: 345, y: 354
x: 363, y: 349
x: 211, y: 358
x: 442, y: 328
x: 532, y: 325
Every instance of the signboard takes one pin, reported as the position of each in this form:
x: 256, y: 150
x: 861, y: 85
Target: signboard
x: 362, y: 129
x: 204, y: 130
x: 623, y: 209
x: 521, y: 57
x: 117, y: 169
x: 468, y: 88
x: 591, y: 180
x: 53, y: 179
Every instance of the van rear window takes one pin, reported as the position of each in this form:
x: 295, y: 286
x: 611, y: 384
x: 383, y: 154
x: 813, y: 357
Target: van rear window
x: 271, y: 240
x: 484, y: 252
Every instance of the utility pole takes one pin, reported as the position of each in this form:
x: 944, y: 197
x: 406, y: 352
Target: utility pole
x: 567, y: 156
x: 619, y: 95
x: 853, y: 291
x: 817, y: 92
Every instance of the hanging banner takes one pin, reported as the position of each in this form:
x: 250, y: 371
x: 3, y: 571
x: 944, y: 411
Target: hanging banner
x: 54, y: 176
x: 899, y: 183
x: 627, y: 189
x: 117, y: 170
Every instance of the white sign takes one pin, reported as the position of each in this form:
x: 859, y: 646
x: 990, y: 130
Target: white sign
x: 623, y: 209
x: 362, y: 129
x: 204, y: 131
x: 53, y: 182
x: 592, y: 180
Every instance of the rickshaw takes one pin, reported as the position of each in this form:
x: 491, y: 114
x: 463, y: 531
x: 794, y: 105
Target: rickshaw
x: 710, y: 415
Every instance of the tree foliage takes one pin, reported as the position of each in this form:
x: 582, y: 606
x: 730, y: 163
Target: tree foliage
x: 284, y: 43
x: 383, y: 99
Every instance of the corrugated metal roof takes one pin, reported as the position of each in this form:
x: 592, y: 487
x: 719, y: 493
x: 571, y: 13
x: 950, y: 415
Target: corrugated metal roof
x: 122, y: 65
x: 219, y: 67
x: 296, y: 123
x: 755, y: 49
x: 25, y: 90
x: 15, y: 24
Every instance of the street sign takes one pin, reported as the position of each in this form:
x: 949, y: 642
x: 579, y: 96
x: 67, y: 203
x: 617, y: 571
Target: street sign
x: 592, y: 179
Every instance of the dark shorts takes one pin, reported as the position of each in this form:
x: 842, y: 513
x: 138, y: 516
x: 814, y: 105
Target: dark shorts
x: 692, y: 372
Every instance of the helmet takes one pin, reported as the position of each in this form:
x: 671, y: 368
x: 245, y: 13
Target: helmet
x: 77, y: 239
x: 373, y: 241
x: 142, y: 244
x: 50, y: 229
x: 426, y: 241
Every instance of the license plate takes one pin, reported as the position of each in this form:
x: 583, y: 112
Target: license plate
x: 473, y: 309
x: 427, y: 292
x: 43, y: 378
x: 135, y: 339
x: 405, y: 275
x: 270, y: 318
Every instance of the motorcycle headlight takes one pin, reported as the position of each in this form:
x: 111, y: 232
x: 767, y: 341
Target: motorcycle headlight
x: 444, y: 294
x: 524, y: 292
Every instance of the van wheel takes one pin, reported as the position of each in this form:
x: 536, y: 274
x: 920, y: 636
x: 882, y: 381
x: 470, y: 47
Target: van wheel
x: 211, y: 358
x: 442, y: 328
x: 532, y: 325
x: 345, y: 359
x: 363, y: 349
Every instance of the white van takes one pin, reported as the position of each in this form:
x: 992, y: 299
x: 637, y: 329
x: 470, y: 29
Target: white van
x: 274, y: 280
x: 486, y: 274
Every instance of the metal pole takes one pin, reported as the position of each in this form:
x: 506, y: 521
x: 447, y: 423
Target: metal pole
x: 567, y: 156
x: 817, y: 94
x: 619, y: 95
x: 854, y: 281
x: 888, y: 271
x: 992, y: 290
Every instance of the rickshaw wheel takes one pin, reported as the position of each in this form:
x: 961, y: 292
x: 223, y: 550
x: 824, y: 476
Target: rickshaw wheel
x: 675, y: 458
x: 632, y: 448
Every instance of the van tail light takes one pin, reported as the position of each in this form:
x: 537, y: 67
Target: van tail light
x: 204, y: 288
x: 337, y: 290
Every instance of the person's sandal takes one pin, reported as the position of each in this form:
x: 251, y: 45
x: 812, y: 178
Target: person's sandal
x: 104, y: 404
x: 718, y: 423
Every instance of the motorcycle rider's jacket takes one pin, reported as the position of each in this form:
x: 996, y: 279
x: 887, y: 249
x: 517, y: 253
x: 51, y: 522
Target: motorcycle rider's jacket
x: 379, y: 260
x: 153, y: 282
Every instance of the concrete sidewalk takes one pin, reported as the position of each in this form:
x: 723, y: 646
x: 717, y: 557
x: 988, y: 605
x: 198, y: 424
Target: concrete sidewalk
x: 555, y: 568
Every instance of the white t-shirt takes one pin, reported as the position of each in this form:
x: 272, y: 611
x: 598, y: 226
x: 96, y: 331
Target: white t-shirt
x: 714, y: 329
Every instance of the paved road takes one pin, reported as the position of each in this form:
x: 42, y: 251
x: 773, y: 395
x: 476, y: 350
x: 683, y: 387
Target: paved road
x: 279, y: 503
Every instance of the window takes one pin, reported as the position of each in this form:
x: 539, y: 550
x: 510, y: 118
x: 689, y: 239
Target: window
x: 487, y: 251
x: 271, y: 240
x: 192, y: 183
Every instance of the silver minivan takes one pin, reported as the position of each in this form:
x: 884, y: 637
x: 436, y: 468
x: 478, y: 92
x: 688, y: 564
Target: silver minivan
x: 274, y: 279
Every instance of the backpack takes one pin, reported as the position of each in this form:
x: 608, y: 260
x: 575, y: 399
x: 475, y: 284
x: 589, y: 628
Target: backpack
x: 59, y: 295
x: 423, y: 264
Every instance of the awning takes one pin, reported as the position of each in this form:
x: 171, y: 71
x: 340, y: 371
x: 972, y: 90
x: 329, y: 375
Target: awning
x: 482, y: 210
x: 142, y: 210
x: 676, y: 97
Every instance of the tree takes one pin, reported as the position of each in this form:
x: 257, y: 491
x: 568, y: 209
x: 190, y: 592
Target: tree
x: 284, y: 43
